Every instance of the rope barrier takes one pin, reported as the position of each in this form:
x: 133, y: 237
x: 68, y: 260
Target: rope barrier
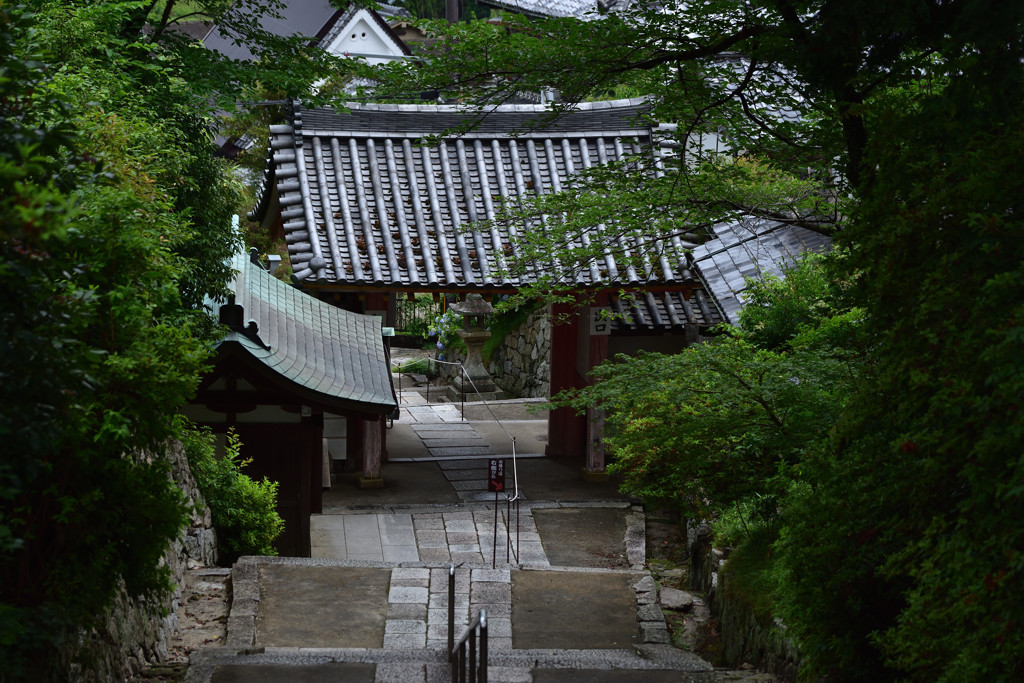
x: 515, y: 471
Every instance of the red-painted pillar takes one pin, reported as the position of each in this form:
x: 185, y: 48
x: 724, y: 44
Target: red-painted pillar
x: 567, y: 431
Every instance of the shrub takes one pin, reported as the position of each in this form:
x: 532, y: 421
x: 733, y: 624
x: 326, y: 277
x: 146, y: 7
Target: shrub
x: 244, y: 510
x: 504, y: 322
x: 417, y: 365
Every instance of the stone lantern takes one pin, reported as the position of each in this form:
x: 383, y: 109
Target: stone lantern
x: 474, y: 383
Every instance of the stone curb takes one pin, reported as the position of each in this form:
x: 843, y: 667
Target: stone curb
x: 647, y: 658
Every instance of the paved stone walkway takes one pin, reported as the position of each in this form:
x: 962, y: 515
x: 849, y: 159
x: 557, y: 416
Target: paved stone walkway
x: 462, y: 453
x: 372, y: 603
x: 426, y: 535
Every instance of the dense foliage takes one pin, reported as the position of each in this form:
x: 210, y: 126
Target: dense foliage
x: 924, y: 482
x: 723, y: 425
x: 114, y: 225
x: 896, y: 128
x: 244, y: 510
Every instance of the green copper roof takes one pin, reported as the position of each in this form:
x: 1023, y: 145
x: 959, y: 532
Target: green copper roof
x: 334, y: 355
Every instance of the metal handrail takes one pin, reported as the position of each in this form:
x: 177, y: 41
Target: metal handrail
x: 462, y: 652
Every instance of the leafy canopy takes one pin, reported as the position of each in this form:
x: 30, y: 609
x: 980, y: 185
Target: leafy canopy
x: 728, y: 420
x: 902, y: 550
x: 114, y: 225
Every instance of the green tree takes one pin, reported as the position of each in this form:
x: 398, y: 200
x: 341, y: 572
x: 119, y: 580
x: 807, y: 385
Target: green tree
x: 923, y: 559
x: 903, y: 551
x: 114, y: 225
x: 727, y: 421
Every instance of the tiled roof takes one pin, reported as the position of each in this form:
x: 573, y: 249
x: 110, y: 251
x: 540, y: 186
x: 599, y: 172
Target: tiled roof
x: 750, y: 249
x: 364, y: 203
x: 647, y: 311
x: 297, y: 18
x: 559, y: 8
x: 334, y: 356
x: 546, y: 8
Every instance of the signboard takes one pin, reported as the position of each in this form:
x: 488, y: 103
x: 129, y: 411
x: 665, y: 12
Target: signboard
x: 600, y: 320
x: 496, y: 475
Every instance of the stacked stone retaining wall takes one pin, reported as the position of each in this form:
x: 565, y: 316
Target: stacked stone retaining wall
x: 521, y: 365
x: 136, y: 633
x: 747, y: 638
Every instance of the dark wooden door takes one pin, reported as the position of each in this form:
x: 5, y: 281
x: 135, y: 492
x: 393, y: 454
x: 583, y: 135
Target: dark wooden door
x: 285, y: 454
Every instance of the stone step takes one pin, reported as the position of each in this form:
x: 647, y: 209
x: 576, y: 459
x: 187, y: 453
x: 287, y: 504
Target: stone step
x: 372, y: 666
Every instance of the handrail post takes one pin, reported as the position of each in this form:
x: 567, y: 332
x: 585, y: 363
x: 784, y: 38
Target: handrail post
x: 451, y: 610
x: 482, y: 678
x: 477, y: 664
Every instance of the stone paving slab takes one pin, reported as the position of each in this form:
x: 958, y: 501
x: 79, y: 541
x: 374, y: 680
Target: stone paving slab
x: 481, y: 463
x: 274, y: 673
x: 321, y: 606
x: 569, y: 610
x: 447, y: 441
x: 423, y: 415
x: 470, y: 485
x: 435, y: 429
x: 608, y: 676
x: 461, y: 450
x: 583, y: 535
x: 478, y: 473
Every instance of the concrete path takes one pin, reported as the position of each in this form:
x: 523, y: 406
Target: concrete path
x: 462, y: 438
x: 426, y: 534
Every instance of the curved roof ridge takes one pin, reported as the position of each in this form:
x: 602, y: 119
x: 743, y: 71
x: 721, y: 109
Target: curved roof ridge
x: 624, y: 103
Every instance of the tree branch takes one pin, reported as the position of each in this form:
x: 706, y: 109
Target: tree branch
x: 689, y: 55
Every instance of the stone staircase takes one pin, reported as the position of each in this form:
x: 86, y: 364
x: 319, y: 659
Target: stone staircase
x: 296, y: 619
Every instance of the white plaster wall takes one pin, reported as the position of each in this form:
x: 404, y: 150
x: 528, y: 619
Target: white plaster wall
x: 365, y: 39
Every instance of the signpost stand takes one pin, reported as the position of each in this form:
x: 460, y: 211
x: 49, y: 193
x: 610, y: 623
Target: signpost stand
x: 496, y: 483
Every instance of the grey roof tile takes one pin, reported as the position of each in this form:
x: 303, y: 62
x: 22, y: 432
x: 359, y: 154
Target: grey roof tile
x: 547, y: 8
x: 750, y: 249
x: 388, y: 211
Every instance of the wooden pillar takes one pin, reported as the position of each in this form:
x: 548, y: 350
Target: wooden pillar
x: 373, y: 444
x: 595, y: 470
x: 567, y: 431
x: 594, y: 338
x: 313, y: 438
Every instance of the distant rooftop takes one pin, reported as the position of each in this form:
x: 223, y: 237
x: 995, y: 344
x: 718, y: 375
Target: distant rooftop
x: 558, y: 8
x: 752, y: 248
x: 364, y: 202
x: 297, y: 18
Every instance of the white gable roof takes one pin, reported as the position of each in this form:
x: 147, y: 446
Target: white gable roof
x: 361, y: 33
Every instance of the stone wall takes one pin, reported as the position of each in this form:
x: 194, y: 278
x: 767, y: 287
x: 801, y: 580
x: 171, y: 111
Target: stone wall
x: 134, y: 633
x: 521, y: 366
x: 746, y: 637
